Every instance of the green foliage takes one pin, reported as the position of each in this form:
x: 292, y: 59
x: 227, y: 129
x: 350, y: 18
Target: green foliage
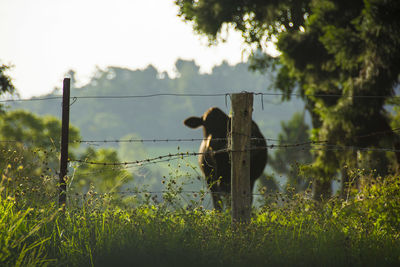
x: 342, y: 48
x: 291, y: 230
x: 254, y: 19
x: 30, y: 161
x: 6, y: 85
x: 103, y: 178
x: 287, y: 161
x: 379, y: 201
x: 348, y: 60
x: 25, y: 127
x: 26, y: 174
x: 395, y: 120
x: 268, y: 184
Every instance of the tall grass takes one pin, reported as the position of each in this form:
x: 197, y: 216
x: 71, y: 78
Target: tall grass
x: 363, y: 230
x: 21, y: 240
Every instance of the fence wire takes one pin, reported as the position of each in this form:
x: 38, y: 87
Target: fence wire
x: 309, y: 145
x: 165, y: 140
x: 281, y: 142
x: 181, y: 155
x: 227, y: 94
x: 134, y: 192
x: 170, y: 140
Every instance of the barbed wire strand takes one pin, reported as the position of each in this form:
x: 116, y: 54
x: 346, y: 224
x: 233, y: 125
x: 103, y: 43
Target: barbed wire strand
x: 311, y: 146
x: 219, y: 139
x: 182, y: 155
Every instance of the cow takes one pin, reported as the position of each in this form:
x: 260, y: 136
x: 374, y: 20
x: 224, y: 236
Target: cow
x: 213, y: 155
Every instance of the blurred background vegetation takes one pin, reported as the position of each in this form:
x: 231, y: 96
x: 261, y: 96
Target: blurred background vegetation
x: 147, y: 118
x: 336, y: 80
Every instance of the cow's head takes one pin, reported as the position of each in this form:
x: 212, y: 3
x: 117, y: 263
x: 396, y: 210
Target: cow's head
x: 214, y: 121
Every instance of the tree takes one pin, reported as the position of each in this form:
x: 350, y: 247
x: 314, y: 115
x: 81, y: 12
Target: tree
x: 287, y: 161
x: 332, y: 51
x: 103, y: 179
x: 39, y: 133
x: 6, y: 85
x: 30, y: 158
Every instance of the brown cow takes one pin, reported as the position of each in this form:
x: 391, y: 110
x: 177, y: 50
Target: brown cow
x: 216, y: 167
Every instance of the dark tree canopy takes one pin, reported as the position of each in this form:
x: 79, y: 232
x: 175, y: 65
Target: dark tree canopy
x: 256, y: 19
x: 6, y: 85
x: 347, y: 51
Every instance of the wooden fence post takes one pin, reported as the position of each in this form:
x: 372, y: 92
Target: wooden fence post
x: 64, y: 143
x: 242, y: 108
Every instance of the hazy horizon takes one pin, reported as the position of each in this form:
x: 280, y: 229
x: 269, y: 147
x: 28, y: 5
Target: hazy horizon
x: 44, y: 39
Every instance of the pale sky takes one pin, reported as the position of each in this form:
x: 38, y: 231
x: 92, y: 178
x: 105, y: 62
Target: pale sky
x: 43, y: 39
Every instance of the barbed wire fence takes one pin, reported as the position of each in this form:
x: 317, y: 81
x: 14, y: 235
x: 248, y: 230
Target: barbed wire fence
x: 318, y: 145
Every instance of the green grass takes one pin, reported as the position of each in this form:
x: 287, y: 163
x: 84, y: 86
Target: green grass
x: 287, y: 231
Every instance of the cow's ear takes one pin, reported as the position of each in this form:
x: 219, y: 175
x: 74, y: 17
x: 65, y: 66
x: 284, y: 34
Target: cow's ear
x: 193, y: 122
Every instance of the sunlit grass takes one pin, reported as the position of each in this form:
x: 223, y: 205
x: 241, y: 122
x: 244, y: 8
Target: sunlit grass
x: 292, y: 230
x: 21, y: 240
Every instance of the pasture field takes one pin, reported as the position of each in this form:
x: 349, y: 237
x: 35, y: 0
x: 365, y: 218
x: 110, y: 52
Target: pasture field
x: 288, y: 230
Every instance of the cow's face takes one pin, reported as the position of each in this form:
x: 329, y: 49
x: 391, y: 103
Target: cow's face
x: 214, y: 121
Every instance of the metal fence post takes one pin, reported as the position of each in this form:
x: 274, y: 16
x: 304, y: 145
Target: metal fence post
x: 64, y: 143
